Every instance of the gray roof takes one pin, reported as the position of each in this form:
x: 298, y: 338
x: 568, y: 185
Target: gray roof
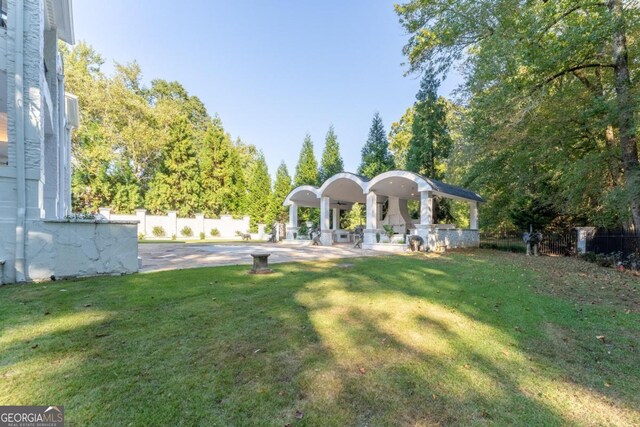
x: 452, y: 190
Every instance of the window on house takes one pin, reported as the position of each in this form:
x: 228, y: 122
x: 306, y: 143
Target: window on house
x: 4, y: 140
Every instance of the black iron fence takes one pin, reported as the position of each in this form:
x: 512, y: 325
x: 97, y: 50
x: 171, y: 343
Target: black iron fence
x: 623, y: 244
x: 551, y: 244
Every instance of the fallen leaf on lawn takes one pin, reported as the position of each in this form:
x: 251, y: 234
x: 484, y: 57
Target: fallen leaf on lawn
x: 34, y: 346
x: 281, y: 393
x: 434, y: 396
x: 601, y: 338
x: 87, y: 305
x: 46, y: 313
x: 101, y: 335
x: 506, y: 353
x: 607, y: 385
x: 362, y: 370
x: 299, y: 414
x: 467, y: 366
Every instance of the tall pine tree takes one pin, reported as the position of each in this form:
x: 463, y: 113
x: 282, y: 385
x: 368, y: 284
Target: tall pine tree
x: 307, y: 168
x: 259, y: 193
x: 281, y: 188
x: 176, y: 186
x: 376, y: 157
x: 331, y: 162
x: 430, y: 142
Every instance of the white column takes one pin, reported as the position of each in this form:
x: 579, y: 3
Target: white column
x: 293, y: 215
x: 200, y: 229
x: 372, y: 211
x: 173, y: 223
x: 292, y: 227
x: 325, y: 226
x: 336, y: 219
x: 105, y: 212
x: 426, y: 208
x: 473, y: 215
x: 141, y: 214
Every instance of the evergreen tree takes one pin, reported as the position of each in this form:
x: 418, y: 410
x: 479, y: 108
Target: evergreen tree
x: 430, y: 143
x: 307, y: 168
x: 331, y: 162
x: 281, y: 189
x: 376, y: 157
x: 176, y: 186
x: 222, y: 177
x: 400, y: 137
x: 259, y: 193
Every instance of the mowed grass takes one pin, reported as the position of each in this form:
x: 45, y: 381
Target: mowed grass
x: 469, y: 338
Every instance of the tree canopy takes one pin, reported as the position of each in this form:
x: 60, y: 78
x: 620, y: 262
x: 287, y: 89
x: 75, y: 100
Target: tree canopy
x: 376, y: 157
x: 549, y: 103
x: 331, y: 162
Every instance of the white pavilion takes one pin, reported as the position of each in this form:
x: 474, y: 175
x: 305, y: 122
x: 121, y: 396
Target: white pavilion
x: 393, y: 189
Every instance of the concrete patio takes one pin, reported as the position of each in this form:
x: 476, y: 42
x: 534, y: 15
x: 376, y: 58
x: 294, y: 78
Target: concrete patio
x: 175, y: 256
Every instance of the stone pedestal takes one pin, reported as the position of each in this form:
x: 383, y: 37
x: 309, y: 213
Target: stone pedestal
x: 326, y: 237
x: 260, y: 263
x: 583, y: 234
x: 292, y: 233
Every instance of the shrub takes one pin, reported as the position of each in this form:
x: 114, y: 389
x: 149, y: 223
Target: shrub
x: 202, y: 235
x: 377, y: 237
x: 173, y: 237
x: 388, y: 230
x: 140, y: 236
x: 303, y: 230
x: 186, y: 231
x: 158, y: 231
x: 214, y: 232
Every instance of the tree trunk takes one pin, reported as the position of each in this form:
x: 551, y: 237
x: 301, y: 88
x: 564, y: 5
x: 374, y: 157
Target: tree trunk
x: 628, y: 137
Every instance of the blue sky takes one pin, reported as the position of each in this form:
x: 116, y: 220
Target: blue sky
x: 273, y: 71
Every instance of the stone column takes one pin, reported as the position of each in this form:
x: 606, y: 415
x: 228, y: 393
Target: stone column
x: 583, y: 234
x: 261, y: 231
x: 425, y: 229
x: 105, y: 212
x: 336, y: 219
x: 325, y: 226
x: 473, y: 215
x: 292, y: 227
x: 141, y: 215
x: 200, y: 227
x: 172, y: 223
x: 372, y: 218
x: 426, y: 208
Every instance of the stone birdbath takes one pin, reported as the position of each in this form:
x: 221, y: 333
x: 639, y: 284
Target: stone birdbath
x: 260, y: 263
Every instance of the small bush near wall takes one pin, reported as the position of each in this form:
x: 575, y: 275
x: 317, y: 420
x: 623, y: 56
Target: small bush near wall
x: 158, y: 231
x: 140, y: 236
x: 202, y: 235
x: 186, y: 231
x: 173, y: 237
x: 214, y: 232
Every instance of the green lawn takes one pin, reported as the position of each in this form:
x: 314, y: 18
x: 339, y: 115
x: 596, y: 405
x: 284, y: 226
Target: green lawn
x: 470, y: 338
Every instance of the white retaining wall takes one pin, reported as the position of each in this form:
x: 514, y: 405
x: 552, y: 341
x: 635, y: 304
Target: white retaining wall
x: 172, y: 224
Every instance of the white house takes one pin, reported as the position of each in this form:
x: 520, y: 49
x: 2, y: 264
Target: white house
x: 392, y: 190
x: 36, y: 118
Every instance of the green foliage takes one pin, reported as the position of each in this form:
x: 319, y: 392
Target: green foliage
x: 140, y: 236
x: 547, y: 104
x: 186, y: 231
x: 154, y: 146
x: 214, y: 232
x: 176, y: 184
x: 173, y: 237
x: 399, y: 137
x: 430, y: 143
x: 259, y: 194
x: 202, y: 235
x: 307, y: 167
x: 376, y: 157
x: 354, y: 217
x: 377, y: 237
x: 331, y: 162
x: 158, y: 231
x: 388, y: 230
x: 281, y: 189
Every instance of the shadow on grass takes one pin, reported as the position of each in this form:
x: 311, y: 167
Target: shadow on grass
x: 389, y: 341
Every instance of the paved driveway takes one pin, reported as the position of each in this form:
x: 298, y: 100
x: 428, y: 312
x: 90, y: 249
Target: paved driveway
x: 171, y: 256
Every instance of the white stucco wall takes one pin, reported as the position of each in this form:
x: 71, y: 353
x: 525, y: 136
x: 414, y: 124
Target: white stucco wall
x: 69, y: 249
x: 226, y: 224
x: 454, y: 238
